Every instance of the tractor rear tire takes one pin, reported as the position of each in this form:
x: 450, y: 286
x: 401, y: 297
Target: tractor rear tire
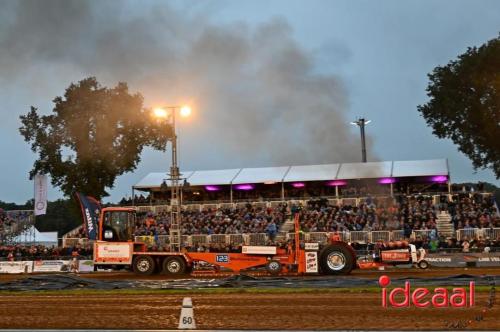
x: 174, y: 265
x: 274, y: 267
x: 336, y: 259
x: 144, y: 265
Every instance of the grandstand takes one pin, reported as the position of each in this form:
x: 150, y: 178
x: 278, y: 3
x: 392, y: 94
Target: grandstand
x: 16, y: 224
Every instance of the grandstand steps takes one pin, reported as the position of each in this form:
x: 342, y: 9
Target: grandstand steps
x: 287, y: 226
x: 444, y: 225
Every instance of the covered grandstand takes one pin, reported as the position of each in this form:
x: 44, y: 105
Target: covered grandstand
x: 287, y: 182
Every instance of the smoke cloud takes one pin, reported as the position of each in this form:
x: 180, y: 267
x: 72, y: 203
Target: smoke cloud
x: 258, y: 97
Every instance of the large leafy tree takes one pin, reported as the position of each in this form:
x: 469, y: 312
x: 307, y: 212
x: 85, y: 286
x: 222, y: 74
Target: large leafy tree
x: 93, y: 135
x: 464, y: 104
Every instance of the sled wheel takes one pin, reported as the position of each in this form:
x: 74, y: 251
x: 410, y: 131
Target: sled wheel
x: 273, y: 267
x: 144, y: 265
x: 174, y: 265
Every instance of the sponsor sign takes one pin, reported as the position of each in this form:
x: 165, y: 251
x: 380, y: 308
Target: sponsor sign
x: 86, y: 266
x: 16, y: 267
x: 311, y: 262
x: 40, y: 194
x: 312, y: 246
x: 259, y: 250
x: 90, y: 211
x: 113, y: 252
x: 422, y: 297
x: 51, y: 266
x: 395, y: 256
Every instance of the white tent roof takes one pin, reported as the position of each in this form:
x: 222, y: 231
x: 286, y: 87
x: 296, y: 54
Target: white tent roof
x: 326, y: 172
x: 154, y: 180
x: 39, y: 237
x: 420, y: 168
x: 312, y: 173
x: 261, y: 175
x: 221, y: 176
x: 365, y: 170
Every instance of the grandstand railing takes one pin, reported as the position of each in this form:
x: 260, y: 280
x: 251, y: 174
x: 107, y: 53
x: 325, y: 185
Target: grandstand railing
x: 476, y: 233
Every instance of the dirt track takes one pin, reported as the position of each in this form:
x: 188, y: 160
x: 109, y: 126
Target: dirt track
x: 315, y: 310
x: 233, y: 311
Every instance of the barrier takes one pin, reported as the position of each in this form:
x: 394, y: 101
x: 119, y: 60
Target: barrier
x: 360, y: 237
x: 257, y: 239
x: 383, y: 236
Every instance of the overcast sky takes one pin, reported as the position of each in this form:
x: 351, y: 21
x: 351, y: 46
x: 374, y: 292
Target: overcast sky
x: 271, y: 82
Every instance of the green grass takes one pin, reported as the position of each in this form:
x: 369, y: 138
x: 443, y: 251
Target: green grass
x: 374, y: 289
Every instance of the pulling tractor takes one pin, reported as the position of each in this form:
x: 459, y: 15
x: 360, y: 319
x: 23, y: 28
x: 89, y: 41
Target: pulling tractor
x: 116, y: 246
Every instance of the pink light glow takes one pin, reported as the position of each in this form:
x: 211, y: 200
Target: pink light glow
x: 337, y: 183
x: 244, y: 187
x: 386, y: 180
x: 439, y: 178
x: 212, y: 188
x: 298, y: 185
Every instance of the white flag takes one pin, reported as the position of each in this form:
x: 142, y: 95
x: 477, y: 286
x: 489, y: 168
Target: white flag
x: 40, y: 194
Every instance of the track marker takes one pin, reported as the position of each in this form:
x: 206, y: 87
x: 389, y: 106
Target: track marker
x: 186, y: 320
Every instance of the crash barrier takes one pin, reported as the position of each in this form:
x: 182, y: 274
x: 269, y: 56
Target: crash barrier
x: 440, y: 259
x: 45, y: 266
x: 469, y: 259
x: 362, y: 237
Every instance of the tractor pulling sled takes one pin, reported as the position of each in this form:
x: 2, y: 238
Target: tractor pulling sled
x: 114, y: 247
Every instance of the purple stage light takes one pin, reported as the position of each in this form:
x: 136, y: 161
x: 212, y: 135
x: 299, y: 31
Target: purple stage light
x: 439, y: 178
x: 212, y: 188
x: 298, y: 185
x: 336, y: 183
x: 244, y: 187
x: 387, y: 180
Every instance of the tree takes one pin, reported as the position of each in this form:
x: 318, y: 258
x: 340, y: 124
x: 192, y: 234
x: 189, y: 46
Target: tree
x: 464, y: 104
x: 93, y: 135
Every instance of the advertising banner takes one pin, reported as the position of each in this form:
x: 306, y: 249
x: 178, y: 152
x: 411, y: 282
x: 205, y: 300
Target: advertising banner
x: 86, y: 266
x: 51, y: 266
x: 16, y: 267
x: 90, y: 212
x: 462, y: 259
x: 40, y: 194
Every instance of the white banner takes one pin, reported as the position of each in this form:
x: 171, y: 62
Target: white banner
x: 311, y: 262
x: 40, y: 194
x: 16, y: 267
x: 51, y: 266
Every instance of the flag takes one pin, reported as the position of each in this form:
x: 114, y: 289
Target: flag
x: 91, y: 209
x: 40, y: 194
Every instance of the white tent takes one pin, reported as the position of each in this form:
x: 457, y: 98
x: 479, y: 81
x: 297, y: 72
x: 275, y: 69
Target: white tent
x: 346, y: 171
x: 33, y: 236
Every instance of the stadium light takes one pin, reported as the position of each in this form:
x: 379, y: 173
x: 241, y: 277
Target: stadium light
x: 362, y: 122
x: 163, y: 113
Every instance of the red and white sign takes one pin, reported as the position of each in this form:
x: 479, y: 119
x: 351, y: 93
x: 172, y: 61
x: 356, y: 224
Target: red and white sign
x: 396, y: 255
x: 113, y: 252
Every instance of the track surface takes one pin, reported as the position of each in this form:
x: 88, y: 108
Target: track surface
x: 233, y: 311
x: 315, y: 310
